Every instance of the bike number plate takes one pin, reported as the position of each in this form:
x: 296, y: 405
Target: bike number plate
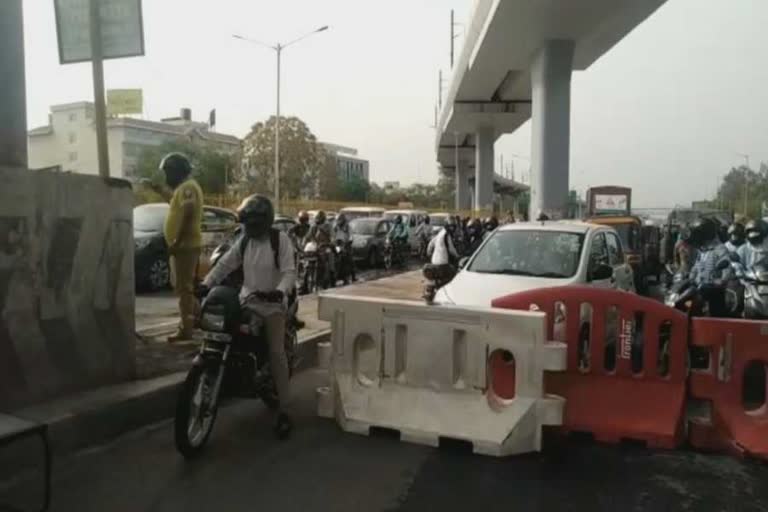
x: 216, y: 336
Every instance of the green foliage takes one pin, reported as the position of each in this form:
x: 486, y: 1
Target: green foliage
x: 743, y: 182
x: 302, y: 159
x: 211, y: 169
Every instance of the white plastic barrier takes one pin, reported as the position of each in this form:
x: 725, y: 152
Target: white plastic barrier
x: 423, y: 371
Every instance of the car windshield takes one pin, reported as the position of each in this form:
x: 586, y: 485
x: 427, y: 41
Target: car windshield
x: 438, y: 220
x: 393, y: 215
x: 552, y: 254
x: 625, y: 233
x: 363, y: 226
x: 149, y: 217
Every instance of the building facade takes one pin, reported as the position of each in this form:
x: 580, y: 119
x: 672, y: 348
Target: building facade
x: 68, y: 142
x: 349, y: 165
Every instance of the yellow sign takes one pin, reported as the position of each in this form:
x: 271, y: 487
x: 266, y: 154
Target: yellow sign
x: 124, y: 101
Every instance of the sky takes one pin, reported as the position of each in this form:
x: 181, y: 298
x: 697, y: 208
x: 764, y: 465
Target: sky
x: 667, y: 111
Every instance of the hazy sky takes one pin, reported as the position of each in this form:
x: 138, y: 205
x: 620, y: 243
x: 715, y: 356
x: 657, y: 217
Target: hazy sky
x: 666, y: 111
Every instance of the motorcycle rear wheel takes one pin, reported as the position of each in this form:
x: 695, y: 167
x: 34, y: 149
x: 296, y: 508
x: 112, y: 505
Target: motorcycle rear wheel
x: 194, y: 422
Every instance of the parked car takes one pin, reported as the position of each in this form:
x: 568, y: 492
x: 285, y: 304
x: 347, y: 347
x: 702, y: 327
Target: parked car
x: 358, y: 212
x: 437, y: 221
x: 151, y: 266
x: 368, y: 237
x: 284, y: 223
x: 525, y: 256
x: 330, y: 217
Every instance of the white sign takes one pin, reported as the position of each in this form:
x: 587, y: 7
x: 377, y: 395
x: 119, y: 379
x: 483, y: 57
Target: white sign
x: 610, y: 203
x: 122, y: 31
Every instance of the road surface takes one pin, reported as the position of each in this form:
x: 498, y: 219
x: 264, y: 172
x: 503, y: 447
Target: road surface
x: 324, y: 469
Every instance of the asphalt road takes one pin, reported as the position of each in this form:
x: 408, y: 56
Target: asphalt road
x: 322, y: 468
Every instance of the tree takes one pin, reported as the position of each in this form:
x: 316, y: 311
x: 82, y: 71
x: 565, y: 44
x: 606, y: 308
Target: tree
x: 743, y: 182
x: 302, y: 159
x: 210, y: 168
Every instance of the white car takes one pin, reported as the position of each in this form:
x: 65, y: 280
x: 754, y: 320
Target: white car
x: 525, y: 256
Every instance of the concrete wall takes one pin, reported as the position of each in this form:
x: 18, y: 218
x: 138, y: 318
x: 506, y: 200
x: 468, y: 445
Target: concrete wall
x: 66, y: 284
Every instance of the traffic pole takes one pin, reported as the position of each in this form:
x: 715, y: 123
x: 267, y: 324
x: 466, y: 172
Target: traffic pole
x: 97, y: 61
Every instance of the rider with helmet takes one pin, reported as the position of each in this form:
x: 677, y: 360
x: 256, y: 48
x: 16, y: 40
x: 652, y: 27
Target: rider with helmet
x: 266, y: 269
x: 321, y: 234
x: 184, y: 238
x: 736, y: 237
x: 300, y: 230
x: 756, y: 247
x: 343, y: 237
x: 685, y: 253
x: 423, y: 234
x: 398, y: 235
x: 490, y: 224
x: 711, y: 280
x: 441, y: 248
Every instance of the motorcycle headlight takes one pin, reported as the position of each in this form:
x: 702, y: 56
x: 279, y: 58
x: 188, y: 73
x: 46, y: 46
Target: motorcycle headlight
x: 142, y: 243
x: 212, y: 322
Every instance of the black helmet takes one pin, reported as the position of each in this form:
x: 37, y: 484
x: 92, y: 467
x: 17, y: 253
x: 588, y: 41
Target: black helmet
x: 320, y: 217
x: 703, y: 230
x: 426, y: 219
x: 450, y: 225
x: 341, y: 220
x: 755, y: 231
x: 399, y: 219
x: 257, y: 214
x: 491, y: 223
x: 176, y: 167
x: 736, y: 233
x: 303, y: 217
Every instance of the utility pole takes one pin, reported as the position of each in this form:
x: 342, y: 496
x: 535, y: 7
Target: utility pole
x: 97, y: 61
x: 440, y: 89
x: 279, y: 50
x: 746, y: 182
x: 453, y: 37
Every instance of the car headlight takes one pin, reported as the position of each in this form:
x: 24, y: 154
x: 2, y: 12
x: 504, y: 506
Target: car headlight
x: 142, y: 243
x: 212, y: 322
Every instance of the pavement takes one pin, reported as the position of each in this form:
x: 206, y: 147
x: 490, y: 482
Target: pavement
x: 322, y: 468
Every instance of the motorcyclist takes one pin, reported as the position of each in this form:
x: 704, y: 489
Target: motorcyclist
x: 736, y: 237
x: 264, y: 271
x: 711, y: 280
x: 685, y: 253
x: 756, y: 247
x: 490, y: 224
x: 321, y: 234
x: 474, y: 235
x: 398, y: 235
x: 441, y: 249
x: 300, y: 230
x: 423, y: 232
x: 342, y: 236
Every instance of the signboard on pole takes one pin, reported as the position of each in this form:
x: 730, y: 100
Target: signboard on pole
x: 122, y: 29
x: 124, y: 101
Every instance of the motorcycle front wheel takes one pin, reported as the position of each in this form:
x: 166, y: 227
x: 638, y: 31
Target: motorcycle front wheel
x: 195, y: 417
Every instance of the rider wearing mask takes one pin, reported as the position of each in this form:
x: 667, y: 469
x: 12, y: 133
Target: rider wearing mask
x: 399, y: 232
x: 342, y: 235
x: 265, y: 270
x: 321, y: 234
x: 711, y: 280
x: 756, y: 247
x: 423, y: 231
x: 736, y: 237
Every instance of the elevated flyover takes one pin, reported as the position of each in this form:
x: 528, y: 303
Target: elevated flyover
x: 516, y: 65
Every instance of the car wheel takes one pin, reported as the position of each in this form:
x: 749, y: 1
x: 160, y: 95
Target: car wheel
x: 159, y: 275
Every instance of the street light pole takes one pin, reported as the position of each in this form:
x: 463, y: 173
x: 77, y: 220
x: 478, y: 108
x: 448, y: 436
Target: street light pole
x: 746, y: 182
x: 278, y: 48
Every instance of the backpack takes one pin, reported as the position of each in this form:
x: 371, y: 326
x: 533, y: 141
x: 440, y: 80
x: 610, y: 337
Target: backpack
x: 274, y: 242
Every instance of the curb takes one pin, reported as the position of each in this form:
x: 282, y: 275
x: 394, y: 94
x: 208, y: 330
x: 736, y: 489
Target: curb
x: 97, y: 417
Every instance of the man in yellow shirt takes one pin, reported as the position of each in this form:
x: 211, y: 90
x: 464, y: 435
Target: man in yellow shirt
x: 184, y: 237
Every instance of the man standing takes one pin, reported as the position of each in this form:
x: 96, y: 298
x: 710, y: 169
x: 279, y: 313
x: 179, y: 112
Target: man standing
x: 184, y: 237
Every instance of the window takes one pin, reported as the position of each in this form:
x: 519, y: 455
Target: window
x: 614, y: 250
x: 599, y: 253
x: 73, y: 156
x: 552, y: 254
x: 72, y: 137
x: 383, y: 228
x: 72, y: 117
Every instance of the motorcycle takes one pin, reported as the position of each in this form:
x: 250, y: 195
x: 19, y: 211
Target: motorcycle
x: 436, y: 277
x: 344, y: 261
x: 233, y: 362
x: 394, y: 253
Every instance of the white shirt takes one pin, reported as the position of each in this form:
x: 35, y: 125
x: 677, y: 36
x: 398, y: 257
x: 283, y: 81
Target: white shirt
x: 258, y: 262
x: 440, y: 250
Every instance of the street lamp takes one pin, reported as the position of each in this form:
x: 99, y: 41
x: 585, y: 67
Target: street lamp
x: 278, y: 48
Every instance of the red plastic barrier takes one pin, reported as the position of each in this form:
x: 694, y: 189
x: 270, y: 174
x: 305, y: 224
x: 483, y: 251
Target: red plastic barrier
x: 617, y: 403
x: 733, y: 345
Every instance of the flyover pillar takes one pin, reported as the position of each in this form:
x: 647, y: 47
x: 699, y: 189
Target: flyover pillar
x: 462, y: 202
x: 551, y: 128
x: 13, y: 104
x: 484, y: 162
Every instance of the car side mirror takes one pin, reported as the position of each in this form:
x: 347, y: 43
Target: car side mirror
x: 601, y: 272
x: 463, y: 262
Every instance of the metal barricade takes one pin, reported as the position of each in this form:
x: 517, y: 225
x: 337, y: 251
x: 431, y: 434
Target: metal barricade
x: 423, y: 372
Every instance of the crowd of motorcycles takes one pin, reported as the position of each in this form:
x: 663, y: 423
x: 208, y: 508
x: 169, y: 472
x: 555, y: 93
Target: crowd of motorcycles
x: 737, y: 288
